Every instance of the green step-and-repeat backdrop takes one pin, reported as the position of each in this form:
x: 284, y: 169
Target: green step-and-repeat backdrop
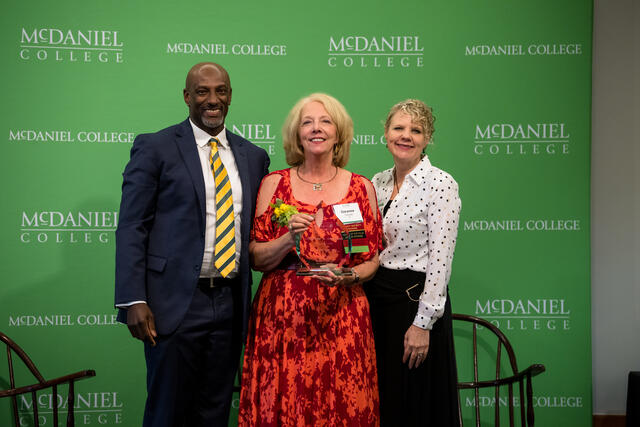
x: 510, y: 85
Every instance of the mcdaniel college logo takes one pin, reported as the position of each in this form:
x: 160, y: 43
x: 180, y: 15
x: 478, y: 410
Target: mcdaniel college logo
x: 66, y: 45
x: 521, y: 139
x: 356, y: 51
x: 78, y: 227
x: 548, y: 314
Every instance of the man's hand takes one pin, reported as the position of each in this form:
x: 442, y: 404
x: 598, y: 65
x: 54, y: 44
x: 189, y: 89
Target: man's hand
x: 141, y: 323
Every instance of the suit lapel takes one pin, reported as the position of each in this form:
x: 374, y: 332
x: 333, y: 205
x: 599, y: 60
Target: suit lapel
x: 189, y: 150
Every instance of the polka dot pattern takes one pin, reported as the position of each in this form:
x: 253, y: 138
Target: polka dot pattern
x: 421, y: 227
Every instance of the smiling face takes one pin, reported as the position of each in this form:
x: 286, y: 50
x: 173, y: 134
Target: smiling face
x: 208, y: 95
x: 406, y: 139
x: 317, y: 132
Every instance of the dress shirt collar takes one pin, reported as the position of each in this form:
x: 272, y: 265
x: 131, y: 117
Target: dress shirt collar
x: 202, y: 137
x: 386, y: 177
x: 419, y: 173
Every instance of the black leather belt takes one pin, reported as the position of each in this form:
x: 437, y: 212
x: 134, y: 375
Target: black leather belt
x: 215, y: 282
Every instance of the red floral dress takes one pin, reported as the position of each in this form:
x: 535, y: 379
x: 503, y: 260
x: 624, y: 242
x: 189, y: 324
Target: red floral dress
x: 310, y: 355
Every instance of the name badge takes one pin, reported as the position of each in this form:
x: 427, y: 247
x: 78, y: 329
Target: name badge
x: 348, y: 213
x: 354, y: 237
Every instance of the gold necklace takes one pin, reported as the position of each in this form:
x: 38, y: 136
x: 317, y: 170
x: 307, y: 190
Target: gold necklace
x: 317, y: 186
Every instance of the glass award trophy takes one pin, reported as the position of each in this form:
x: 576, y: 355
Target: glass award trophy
x: 324, y: 248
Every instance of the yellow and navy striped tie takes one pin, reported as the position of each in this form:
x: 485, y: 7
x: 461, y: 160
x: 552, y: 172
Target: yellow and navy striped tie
x: 225, y: 246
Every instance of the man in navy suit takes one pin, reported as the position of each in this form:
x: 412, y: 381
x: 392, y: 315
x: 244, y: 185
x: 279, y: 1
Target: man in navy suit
x: 191, y: 317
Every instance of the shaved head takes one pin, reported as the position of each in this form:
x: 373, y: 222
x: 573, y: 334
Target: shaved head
x: 194, y: 72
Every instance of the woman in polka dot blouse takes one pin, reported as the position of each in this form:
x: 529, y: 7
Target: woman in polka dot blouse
x: 410, y: 307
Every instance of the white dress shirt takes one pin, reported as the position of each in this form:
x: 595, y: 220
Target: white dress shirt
x: 420, y: 228
x: 229, y: 162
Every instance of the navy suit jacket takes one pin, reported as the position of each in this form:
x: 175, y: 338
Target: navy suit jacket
x: 161, y: 228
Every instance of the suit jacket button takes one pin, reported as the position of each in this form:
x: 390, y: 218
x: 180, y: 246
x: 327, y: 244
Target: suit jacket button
x: 196, y: 268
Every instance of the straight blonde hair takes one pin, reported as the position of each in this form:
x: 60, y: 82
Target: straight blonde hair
x: 344, y: 126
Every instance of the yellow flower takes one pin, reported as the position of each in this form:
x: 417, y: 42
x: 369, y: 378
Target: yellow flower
x: 282, y: 212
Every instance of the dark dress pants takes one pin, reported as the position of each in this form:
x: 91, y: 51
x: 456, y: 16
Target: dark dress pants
x: 190, y: 372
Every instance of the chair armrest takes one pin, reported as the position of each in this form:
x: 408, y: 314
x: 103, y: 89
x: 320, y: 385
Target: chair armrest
x: 48, y: 383
x: 532, y: 371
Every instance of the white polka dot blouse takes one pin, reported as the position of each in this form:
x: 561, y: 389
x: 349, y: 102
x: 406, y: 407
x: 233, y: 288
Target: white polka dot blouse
x: 420, y: 228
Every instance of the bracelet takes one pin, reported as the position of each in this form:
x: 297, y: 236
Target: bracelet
x: 357, y: 276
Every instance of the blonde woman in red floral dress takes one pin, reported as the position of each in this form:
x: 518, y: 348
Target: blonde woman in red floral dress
x: 310, y: 358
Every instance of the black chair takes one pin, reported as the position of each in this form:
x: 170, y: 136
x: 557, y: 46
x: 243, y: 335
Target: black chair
x: 499, y: 375
x: 13, y: 392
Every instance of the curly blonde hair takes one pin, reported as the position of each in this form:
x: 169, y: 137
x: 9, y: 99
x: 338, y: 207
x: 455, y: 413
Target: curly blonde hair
x: 420, y: 114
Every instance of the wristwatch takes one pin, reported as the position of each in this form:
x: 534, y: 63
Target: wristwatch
x: 357, y: 276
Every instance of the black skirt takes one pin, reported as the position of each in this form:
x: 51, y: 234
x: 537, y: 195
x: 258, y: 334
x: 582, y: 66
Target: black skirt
x: 422, y: 396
